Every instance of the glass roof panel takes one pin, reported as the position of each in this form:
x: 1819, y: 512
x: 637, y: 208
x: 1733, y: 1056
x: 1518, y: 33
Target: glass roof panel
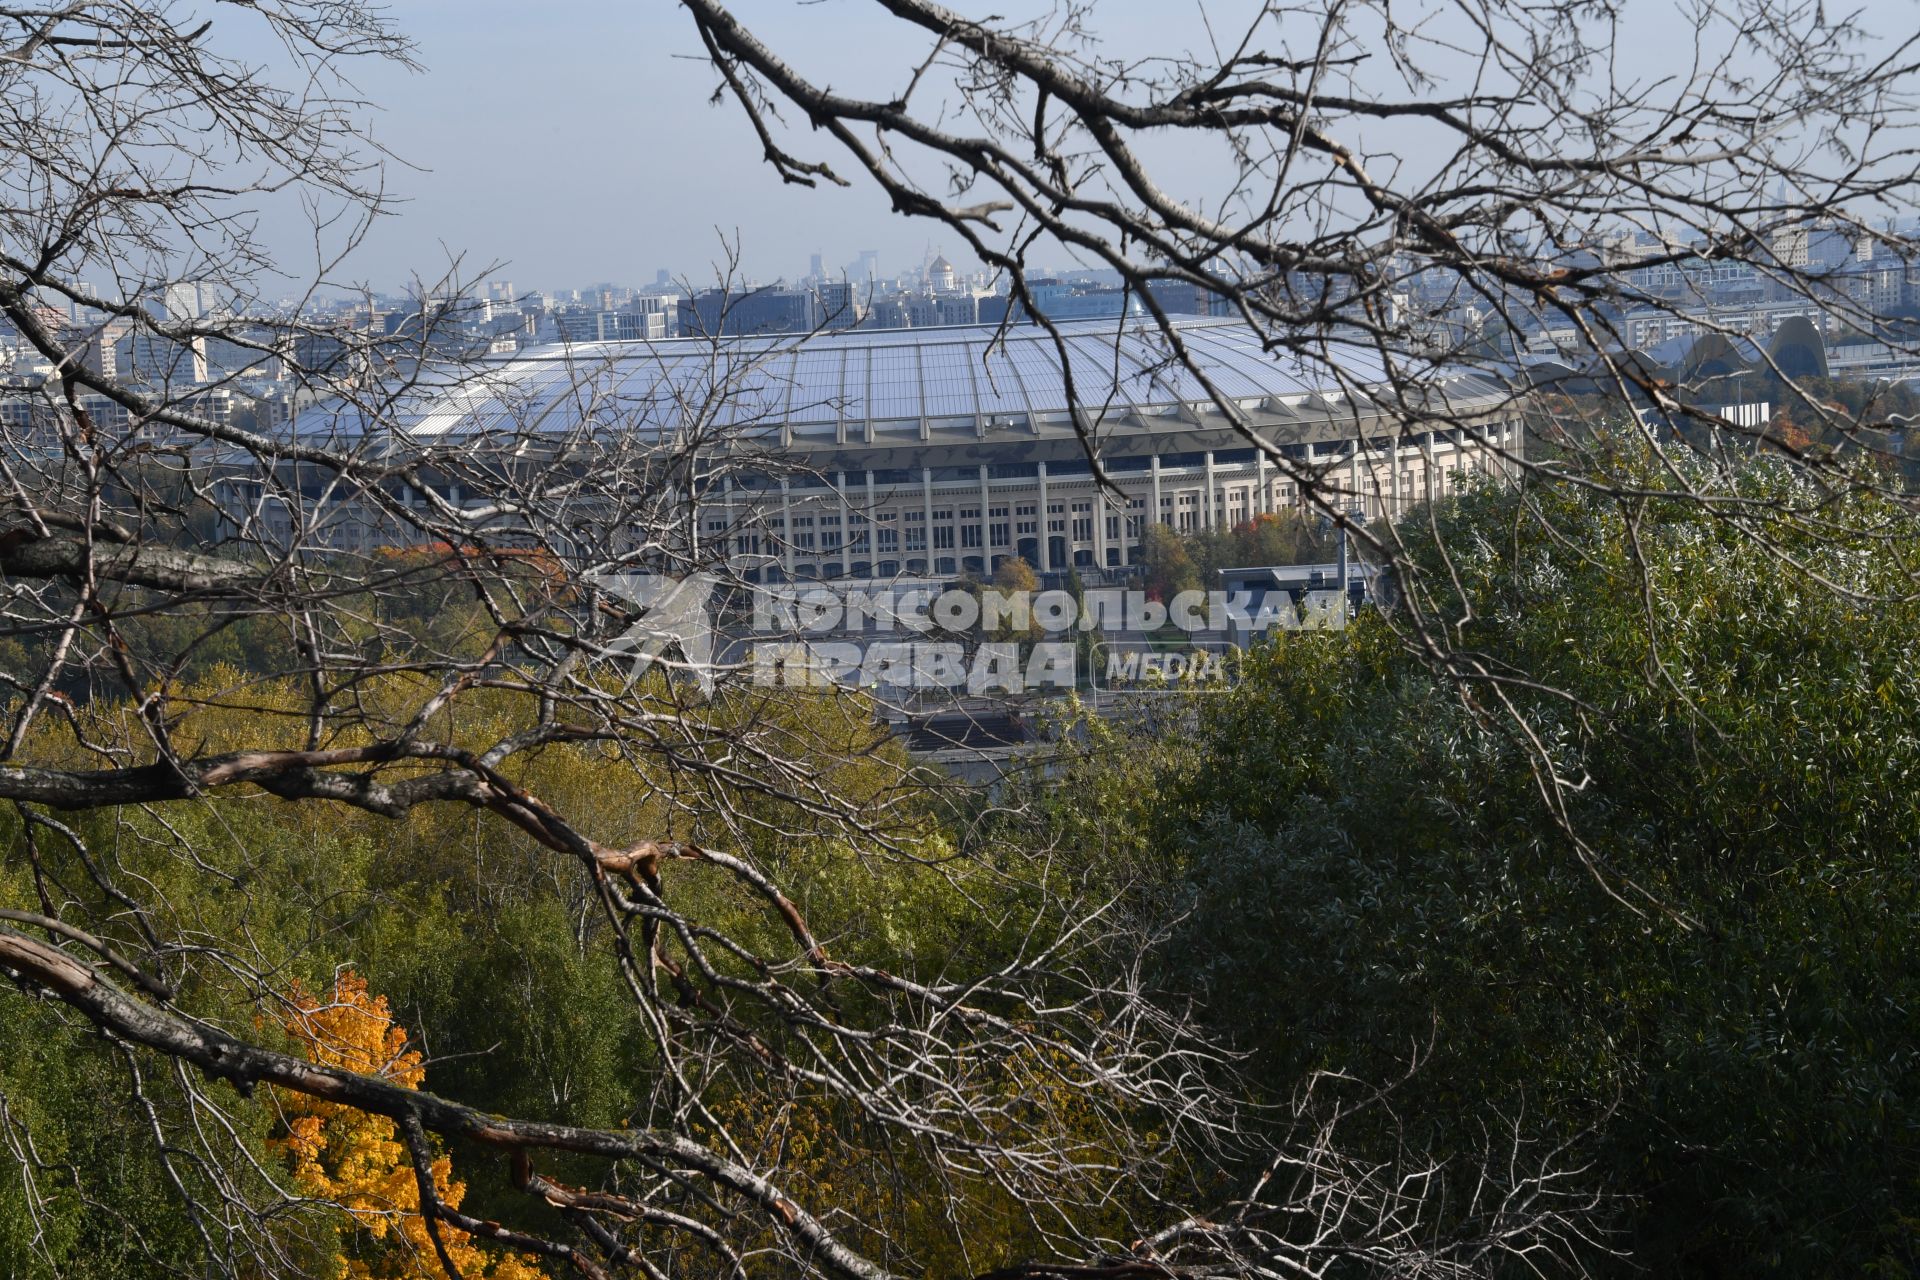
x: 853, y: 389
x: 1274, y: 377
x: 1138, y: 386
x: 1354, y: 362
x: 1039, y: 373
x: 995, y: 381
x: 755, y: 389
x: 450, y: 403
x: 335, y: 421
x: 1177, y: 385
x: 531, y: 395
x: 896, y: 382
x: 641, y: 386
x: 816, y: 386
x: 560, y: 391
x: 1226, y: 374
x: 655, y: 394
x: 948, y: 380
x: 1092, y: 361
x: 1361, y: 364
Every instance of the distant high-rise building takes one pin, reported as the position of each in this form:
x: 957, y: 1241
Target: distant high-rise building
x: 867, y: 267
x: 188, y: 300
x: 251, y: 352
x: 956, y: 308
x: 839, y: 303
x: 889, y: 313
x: 1059, y: 300
x: 628, y: 325
x: 912, y: 310
x: 159, y: 361
x: 98, y: 343
x: 50, y: 317
x: 1179, y: 298
x: 320, y: 352
x: 771, y: 310
x: 815, y: 271
x: 661, y: 302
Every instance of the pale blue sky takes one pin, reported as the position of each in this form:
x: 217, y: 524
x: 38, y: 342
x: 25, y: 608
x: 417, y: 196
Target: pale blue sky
x: 573, y: 138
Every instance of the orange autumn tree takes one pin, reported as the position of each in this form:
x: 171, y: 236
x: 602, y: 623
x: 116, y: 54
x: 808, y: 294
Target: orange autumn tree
x: 356, y: 1160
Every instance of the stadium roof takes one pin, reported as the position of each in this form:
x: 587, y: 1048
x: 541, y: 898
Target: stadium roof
x: 822, y: 384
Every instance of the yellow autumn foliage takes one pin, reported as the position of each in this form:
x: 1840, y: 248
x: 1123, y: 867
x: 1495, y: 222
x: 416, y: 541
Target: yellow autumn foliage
x: 358, y: 1161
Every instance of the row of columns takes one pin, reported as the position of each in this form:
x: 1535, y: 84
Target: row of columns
x: 1212, y: 504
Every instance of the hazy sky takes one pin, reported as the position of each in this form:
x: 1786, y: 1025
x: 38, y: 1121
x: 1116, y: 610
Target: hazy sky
x: 573, y: 139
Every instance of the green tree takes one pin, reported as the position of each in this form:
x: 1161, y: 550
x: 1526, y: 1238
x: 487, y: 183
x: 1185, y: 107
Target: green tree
x: 1014, y: 580
x: 1170, y: 566
x: 1706, y: 981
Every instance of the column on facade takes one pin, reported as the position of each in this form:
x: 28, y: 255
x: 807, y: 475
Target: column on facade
x: 986, y: 522
x: 1099, y: 505
x: 1356, y: 492
x: 786, y: 526
x: 1262, y: 502
x: 845, y: 550
x: 1153, y: 516
x: 926, y: 512
x: 1045, y: 525
x: 1211, y: 495
x: 873, y: 526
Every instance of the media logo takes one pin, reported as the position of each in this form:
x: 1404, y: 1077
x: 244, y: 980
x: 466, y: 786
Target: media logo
x: 675, y: 613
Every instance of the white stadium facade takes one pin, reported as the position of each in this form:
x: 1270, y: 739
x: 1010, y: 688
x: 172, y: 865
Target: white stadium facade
x: 940, y: 451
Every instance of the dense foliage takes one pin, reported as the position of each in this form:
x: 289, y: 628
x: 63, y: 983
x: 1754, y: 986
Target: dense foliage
x: 340, y: 1155
x: 1706, y: 980
x: 1702, y: 980
x: 453, y: 946
x: 1174, y: 562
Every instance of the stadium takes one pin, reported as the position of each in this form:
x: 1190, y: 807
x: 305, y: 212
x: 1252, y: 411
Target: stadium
x: 944, y: 450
